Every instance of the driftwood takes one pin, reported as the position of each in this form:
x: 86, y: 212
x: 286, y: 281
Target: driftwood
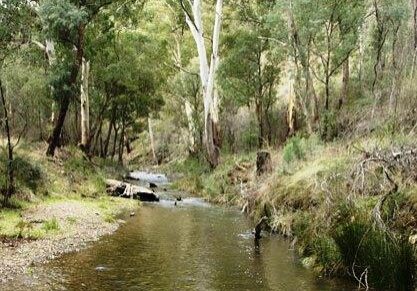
x: 382, y: 173
x: 127, y: 190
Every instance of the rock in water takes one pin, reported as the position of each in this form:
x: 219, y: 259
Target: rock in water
x: 126, y: 190
x: 260, y: 226
x: 263, y: 163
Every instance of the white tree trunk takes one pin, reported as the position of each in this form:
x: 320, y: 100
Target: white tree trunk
x: 151, y: 139
x: 290, y: 77
x: 189, y: 110
x: 85, y: 106
x: 208, y: 75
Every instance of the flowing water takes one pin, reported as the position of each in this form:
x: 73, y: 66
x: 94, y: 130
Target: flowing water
x: 191, y: 246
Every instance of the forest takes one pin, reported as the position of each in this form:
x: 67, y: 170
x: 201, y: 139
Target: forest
x: 302, y: 113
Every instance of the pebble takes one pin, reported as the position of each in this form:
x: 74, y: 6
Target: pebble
x: 24, y: 255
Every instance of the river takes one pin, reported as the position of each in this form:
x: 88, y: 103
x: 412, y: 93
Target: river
x: 191, y: 246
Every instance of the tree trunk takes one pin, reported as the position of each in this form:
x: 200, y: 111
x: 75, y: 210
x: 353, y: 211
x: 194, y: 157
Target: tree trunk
x: 207, y: 75
x: 51, y: 55
x: 59, y: 124
x: 65, y: 99
x: 291, y: 99
x: 263, y: 163
x: 85, y: 106
x: 189, y: 111
x: 98, y: 141
x: 116, y: 132
x: 345, y: 84
x: 121, y: 144
x: 413, y: 65
x: 327, y: 85
x: 49, y: 50
x: 261, y: 126
x: 151, y: 140
x: 107, y: 141
x: 10, y: 189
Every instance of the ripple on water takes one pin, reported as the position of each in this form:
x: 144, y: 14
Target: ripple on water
x: 193, y: 246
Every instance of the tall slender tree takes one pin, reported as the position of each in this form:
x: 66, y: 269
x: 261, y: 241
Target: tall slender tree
x: 208, y: 70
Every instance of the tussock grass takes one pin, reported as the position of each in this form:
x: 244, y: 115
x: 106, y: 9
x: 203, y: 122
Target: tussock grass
x: 309, y: 198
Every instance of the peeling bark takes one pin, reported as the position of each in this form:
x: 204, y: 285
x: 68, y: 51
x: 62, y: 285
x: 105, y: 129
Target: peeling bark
x: 207, y: 75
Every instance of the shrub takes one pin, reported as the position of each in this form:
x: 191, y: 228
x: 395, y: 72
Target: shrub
x: 328, y: 126
x: 79, y: 165
x: 26, y: 174
x: 297, y: 148
x: 293, y: 149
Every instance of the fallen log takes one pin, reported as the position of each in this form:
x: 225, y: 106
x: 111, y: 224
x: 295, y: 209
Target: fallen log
x: 127, y: 190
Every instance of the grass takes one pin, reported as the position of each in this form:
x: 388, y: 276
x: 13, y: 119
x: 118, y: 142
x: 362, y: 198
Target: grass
x: 309, y: 197
x: 42, y: 181
x: 215, y: 186
x: 51, y: 225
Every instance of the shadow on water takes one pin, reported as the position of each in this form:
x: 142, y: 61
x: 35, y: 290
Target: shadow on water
x: 193, y: 246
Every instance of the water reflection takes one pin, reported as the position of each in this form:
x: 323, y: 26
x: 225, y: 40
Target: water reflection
x: 190, y: 247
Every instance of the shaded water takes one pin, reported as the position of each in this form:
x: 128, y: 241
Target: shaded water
x: 193, y: 246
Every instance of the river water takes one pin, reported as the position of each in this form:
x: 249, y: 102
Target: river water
x: 191, y: 246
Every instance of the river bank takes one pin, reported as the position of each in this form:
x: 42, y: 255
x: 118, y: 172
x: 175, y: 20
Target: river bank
x: 62, y: 227
x: 348, y: 207
x: 60, y: 206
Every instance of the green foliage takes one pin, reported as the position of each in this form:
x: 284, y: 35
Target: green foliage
x: 386, y: 257
x: 293, y: 149
x: 329, y: 126
x: 298, y: 147
x: 27, y: 174
x: 14, y: 23
x: 109, y: 218
x: 51, y: 225
x: 79, y: 165
x: 62, y: 18
x: 22, y: 227
x: 327, y: 252
x: 388, y: 260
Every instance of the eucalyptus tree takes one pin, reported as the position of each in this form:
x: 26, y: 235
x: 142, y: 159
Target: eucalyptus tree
x: 14, y: 26
x: 128, y: 74
x: 250, y: 73
x: 292, y: 23
x: 390, y: 19
x: 65, y: 23
x: 185, y: 85
x: 208, y: 70
x: 338, y: 25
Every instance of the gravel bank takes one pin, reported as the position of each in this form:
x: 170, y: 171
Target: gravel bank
x: 79, y: 225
